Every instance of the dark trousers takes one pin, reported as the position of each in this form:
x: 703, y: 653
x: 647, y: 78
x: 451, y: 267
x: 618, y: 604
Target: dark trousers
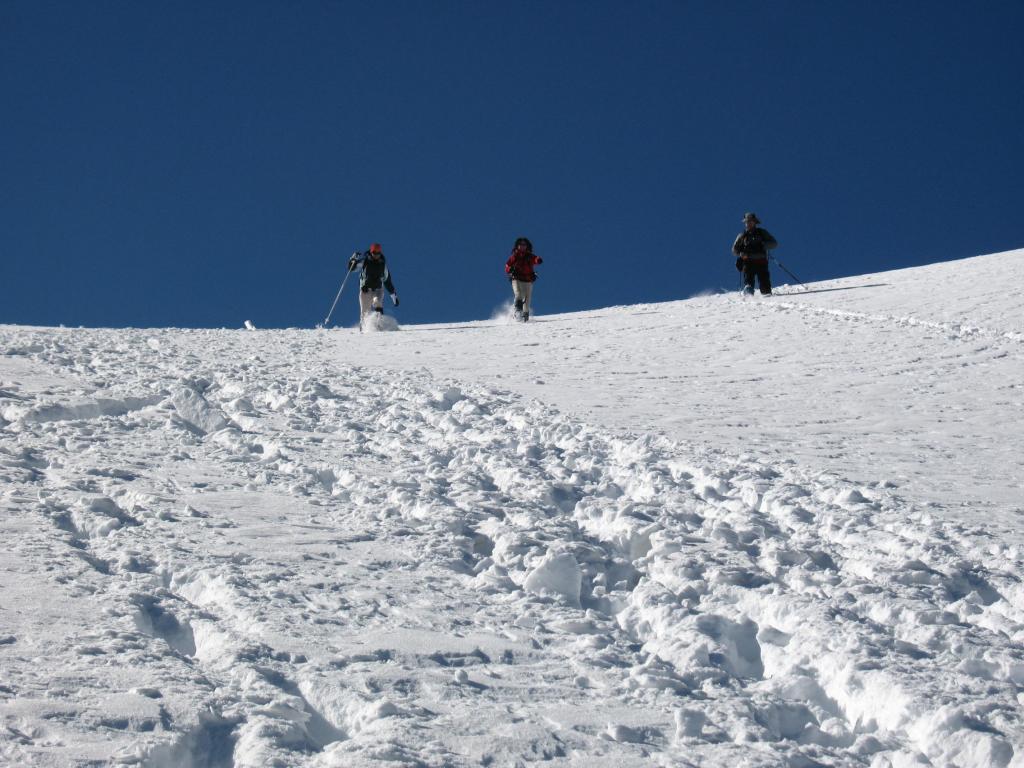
x: 756, y: 268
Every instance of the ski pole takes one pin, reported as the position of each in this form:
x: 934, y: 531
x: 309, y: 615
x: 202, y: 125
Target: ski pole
x: 783, y: 268
x: 743, y: 281
x: 331, y: 312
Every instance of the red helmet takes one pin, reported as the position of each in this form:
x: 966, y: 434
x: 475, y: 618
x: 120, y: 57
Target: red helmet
x: 375, y: 248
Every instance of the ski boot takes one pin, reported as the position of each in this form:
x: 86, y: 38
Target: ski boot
x: 526, y: 316
x: 519, y: 310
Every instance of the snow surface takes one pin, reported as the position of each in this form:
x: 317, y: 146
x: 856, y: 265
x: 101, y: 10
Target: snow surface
x: 714, y: 532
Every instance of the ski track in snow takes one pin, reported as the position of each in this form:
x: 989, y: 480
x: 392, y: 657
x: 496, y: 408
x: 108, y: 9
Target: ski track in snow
x: 276, y: 559
x: 954, y: 330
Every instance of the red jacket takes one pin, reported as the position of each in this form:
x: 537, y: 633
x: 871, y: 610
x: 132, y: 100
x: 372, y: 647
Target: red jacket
x: 520, y: 265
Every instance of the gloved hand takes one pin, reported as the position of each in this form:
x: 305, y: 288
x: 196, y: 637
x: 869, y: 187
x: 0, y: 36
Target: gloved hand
x: 739, y: 263
x: 512, y: 275
x: 352, y: 262
x: 394, y: 299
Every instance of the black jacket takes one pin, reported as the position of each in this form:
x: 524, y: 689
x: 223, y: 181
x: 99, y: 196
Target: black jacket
x: 374, y: 273
x: 754, y: 244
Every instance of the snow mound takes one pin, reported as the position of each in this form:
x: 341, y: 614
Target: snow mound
x: 196, y: 412
x: 556, y: 574
x: 377, y: 322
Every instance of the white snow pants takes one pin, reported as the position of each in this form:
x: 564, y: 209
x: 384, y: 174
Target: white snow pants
x: 370, y: 301
x: 523, y: 292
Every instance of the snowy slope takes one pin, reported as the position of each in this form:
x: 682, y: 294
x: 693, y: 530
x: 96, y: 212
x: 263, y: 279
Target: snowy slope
x: 725, y: 532
x: 912, y: 376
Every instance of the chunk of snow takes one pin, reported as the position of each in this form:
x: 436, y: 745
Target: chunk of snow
x: 556, y: 574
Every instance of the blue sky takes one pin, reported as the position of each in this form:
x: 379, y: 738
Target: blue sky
x: 201, y: 164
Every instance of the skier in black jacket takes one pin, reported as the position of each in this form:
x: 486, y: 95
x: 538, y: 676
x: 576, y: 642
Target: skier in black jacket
x: 374, y: 279
x: 751, y: 249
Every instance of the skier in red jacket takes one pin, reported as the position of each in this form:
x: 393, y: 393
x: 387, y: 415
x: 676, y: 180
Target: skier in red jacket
x: 519, y: 269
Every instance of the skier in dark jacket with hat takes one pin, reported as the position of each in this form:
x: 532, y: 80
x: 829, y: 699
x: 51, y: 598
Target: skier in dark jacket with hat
x: 519, y: 269
x: 374, y: 279
x: 751, y: 249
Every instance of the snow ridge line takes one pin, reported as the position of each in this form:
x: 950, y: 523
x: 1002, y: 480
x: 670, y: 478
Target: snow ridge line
x: 86, y: 409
